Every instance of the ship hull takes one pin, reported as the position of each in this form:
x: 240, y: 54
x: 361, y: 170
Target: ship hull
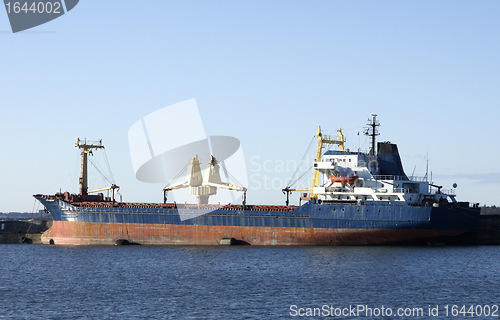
x: 76, y: 233
x: 310, y: 224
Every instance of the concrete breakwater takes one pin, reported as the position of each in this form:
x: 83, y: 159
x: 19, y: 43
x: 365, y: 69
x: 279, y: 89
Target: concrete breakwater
x: 486, y: 232
x: 23, y: 231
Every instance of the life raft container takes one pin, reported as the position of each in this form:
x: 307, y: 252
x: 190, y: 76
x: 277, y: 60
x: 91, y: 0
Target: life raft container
x: 350, y: 180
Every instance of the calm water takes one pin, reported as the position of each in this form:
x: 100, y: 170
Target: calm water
x: 134, y: 282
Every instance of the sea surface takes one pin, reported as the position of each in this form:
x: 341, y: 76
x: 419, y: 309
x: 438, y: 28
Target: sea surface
x: 243, y: 282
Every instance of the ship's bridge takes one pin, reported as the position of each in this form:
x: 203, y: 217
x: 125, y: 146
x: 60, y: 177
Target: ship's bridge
x: 348, y: 163
x: 349, y: 158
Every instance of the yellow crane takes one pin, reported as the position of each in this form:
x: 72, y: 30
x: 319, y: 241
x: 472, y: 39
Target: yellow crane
x: 323, y: 140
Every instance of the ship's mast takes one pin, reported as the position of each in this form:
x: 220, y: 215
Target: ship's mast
x: 371, y: 131
x: 86, y: 150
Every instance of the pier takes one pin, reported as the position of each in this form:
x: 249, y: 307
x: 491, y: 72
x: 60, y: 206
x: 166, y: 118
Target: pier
x: 23, y: 231
x: 487, y: 231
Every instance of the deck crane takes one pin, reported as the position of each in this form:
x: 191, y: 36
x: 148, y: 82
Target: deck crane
x: 204, y: 187
x: 86, y: 149
x: 323, y: 140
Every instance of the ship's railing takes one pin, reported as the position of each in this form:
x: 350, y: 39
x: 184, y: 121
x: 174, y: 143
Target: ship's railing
x: 402, y: 190
x: 444, y: 191
x: 407, y: 190
x: 396, y: 177
x: 389, y: 177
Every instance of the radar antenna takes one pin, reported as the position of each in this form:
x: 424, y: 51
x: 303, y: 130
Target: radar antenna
x: 372, y: 131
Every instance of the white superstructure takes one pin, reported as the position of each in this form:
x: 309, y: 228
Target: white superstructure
x: 354, y: 177
x: 376, y: 177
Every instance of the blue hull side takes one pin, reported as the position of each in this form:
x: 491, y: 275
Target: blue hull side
x: 310, y: 219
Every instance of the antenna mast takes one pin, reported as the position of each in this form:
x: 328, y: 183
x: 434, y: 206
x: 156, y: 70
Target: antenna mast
x: 372, y: 131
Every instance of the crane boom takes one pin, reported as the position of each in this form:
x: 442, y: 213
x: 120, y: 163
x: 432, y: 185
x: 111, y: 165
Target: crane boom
x: 324, y: 140
x: 204, y: 187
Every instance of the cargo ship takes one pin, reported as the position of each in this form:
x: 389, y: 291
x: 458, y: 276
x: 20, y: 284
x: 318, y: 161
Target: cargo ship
x: 355, y: 198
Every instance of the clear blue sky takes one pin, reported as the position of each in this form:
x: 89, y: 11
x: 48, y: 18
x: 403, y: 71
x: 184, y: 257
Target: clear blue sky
x: 266, y: 72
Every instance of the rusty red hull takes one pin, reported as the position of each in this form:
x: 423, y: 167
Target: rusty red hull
x: 78, y: 233
x: 89, y: 223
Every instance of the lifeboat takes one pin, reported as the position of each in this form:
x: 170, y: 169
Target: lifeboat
x: 350, y: 180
